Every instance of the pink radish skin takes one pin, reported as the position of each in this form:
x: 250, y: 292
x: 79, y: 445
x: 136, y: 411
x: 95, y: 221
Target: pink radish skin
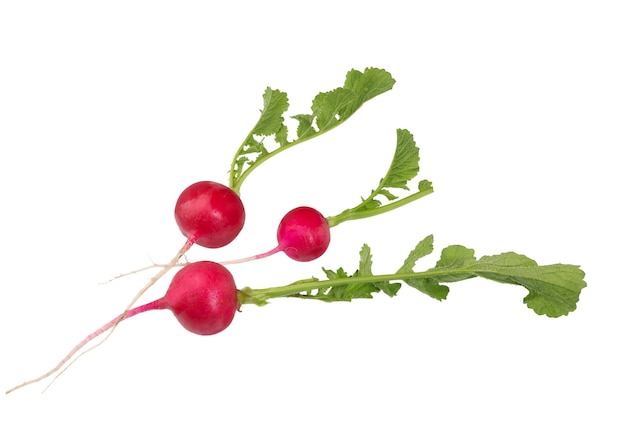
x: 202, y: 296
x: 303, y: 235
x: 209, y: 214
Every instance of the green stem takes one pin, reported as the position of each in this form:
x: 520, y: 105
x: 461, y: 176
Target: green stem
x: 236, y: 184
x: 260, y: 296
x: 231, y: 180
x: 355, y: 213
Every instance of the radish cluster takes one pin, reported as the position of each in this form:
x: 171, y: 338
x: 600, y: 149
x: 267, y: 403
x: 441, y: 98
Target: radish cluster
x: 203, y: 295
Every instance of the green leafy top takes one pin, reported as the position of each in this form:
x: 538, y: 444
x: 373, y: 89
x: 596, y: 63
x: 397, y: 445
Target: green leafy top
x: 553, y: 290
x: 329, y: 109
x: 404, y: 167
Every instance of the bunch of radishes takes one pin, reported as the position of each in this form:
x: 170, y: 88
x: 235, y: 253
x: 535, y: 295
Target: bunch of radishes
x: 203, y: 295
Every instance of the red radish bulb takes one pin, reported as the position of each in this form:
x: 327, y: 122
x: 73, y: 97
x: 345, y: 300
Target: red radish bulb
x: 203, y: 297
x: 303, y: 234
x: 209, y: 214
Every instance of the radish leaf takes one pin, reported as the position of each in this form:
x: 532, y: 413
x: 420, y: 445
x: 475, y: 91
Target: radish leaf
x: 553, y: 290
x: 404, y: 167
x: 329, y: 109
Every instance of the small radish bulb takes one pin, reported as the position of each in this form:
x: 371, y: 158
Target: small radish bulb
x: 303, y: 234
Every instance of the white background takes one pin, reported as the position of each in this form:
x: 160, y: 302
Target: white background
x: 109, y: 109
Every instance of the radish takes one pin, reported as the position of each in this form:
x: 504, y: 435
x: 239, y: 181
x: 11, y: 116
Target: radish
x: 202, y: 296
x: 303, y: 235
x: 209, y: 214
